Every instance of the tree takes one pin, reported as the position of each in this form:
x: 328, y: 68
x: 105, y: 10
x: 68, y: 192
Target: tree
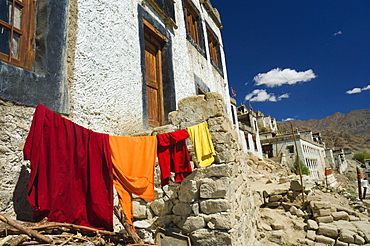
x: 304, y: 168
x: 361, y: 156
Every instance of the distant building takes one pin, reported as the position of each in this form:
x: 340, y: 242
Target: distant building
x: 310, y: 148
x: 367, y: 169
x: 249, y: 131
x: 340, y: 160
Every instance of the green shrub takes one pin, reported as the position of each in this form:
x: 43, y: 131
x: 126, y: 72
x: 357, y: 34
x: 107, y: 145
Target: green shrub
x: 304, y: 168
x: 360, y: 156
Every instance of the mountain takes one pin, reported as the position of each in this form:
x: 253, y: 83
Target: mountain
x: 349, y: 131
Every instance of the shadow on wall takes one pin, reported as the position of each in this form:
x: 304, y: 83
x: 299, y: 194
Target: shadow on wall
x: 22, y: 207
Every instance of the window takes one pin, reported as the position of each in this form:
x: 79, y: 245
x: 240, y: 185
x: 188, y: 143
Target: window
x: 214, y: 49
x: 192, y: 19
x: 290, y: 148
x: 166, y: 11
x: 16, y: 29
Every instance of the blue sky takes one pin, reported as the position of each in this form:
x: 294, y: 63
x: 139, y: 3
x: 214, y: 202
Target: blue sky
x: 298, y: 59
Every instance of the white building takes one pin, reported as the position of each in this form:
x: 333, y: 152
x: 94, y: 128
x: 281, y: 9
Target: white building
x: 249, y: 131
x: 113, y: 66
x: 311, y: 150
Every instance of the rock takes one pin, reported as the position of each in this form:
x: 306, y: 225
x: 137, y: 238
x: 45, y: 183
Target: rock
x: 276, y: 237
x: 364, y: 227
x: 299, y: 213
x: 265, y: 227
x: 347, y: 236
x: 359, y: 240
x: 165, y: 220
x: 325, y: 240
x: 182, y: 208
x: 339, y: 243
x: 283, y: 180
x: 298, y: 225
x: 273, y: 204
x: 311, y: 234
x: 293, y: 210
x: 188, y: 191
x: 325, y: 219
x: 139, y: 210
x: 214, y: 188
x: 275, y: 198
x: 340, y: 215
x: 322, y: 212
x: 142, y: 224
x: 312, y: 225
x: 171, y: 190
x: 277, y: 226
x: 161, y: 207
x: 220, y: 221
x: 214, y: 206
x: 219, y: 124
x: 295, y: 185
x: 206, y: 237
x: 222, y: 170
x: 315, y: 205
x: 327, y: 230
x: 280, y: 191
x: 353, y: 218
x: 191, y: 224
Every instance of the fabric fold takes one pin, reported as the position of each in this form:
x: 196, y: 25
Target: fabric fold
x: 133, y: 169
x: 71, y: 172
x: 202, y: 143
x: 173, y: 155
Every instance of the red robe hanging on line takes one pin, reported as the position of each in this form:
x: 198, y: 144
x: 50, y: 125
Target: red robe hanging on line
x: 173, y: 156
x: 71, y: 172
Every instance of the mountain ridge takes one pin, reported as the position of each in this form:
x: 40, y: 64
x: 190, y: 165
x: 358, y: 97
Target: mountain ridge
x: 350, y: 131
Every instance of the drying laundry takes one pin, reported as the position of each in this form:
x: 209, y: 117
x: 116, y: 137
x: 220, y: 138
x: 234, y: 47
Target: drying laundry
x: 133, y: 169
x: 173, y: 156
x: 71, y: 172
x: 202, y: 142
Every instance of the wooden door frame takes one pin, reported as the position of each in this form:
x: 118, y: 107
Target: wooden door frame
x: 154, y: 38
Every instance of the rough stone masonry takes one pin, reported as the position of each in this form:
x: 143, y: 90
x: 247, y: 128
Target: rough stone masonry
x: 214, y: 205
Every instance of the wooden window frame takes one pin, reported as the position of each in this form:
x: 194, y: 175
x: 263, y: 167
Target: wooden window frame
x: 214, y: 48
x: 26, y: 32
x: 192, y: 19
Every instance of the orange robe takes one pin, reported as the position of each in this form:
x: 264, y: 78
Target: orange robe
x: 133, y: 169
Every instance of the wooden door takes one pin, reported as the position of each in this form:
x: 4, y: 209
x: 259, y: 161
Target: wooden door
x: 154, y: 85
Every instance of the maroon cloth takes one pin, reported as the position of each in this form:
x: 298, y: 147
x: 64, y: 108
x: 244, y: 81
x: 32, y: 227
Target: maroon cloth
x: 71, y: 172
x: 173, y: 156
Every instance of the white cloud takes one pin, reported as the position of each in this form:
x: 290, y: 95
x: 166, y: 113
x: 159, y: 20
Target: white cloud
x: 358, y: 90
x: 262, y: 96
x: 287, y: 119
x: 337, y: 33
x: 354, y: 90
x: 366, y: 88
x: 278, y: 77
x: 286, y: 95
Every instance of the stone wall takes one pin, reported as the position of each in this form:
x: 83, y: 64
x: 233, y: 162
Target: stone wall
x: 15, y: 121
x: 214, y: 205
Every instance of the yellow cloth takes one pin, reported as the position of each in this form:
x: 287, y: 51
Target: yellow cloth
x: 133, y: 169
x: 202, y: 142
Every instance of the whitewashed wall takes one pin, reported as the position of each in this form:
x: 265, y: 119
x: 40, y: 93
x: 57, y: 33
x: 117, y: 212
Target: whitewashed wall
x: 106, y: 88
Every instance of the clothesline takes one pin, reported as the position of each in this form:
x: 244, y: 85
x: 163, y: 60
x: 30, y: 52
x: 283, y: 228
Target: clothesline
x: 73, y: 169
